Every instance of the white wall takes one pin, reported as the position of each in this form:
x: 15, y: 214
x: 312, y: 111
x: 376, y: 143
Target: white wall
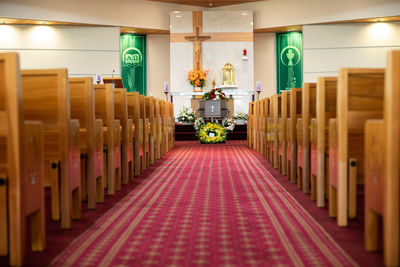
x: 363, y: 45
x: 135, y: 13
x: 85, y: 51
x: 273, y: 13
x: 149, y: 14
x: 265, y: 63
x: 158, y: 66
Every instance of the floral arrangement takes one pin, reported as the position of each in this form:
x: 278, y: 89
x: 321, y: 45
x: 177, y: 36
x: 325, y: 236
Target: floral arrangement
x: 215, y: 93
x: 197, y: 123
x: 197, y: 77
x: 241, y: 116
x: 186, y: 115
x: 211, y: 133
x: 229, y: 124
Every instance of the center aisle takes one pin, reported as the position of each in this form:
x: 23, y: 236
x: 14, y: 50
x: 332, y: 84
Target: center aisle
x: 206, y: 205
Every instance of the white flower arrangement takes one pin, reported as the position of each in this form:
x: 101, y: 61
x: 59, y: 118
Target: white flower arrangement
x: 229, y: 124
x: 187, y: 115
x: 197, y: 123
x: 240, y: 116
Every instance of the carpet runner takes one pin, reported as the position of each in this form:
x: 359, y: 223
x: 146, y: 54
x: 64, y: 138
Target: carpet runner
x: 213, y: 205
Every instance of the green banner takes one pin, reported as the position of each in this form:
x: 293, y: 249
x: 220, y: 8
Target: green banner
x: 289, y: 60
x: 133, y: 62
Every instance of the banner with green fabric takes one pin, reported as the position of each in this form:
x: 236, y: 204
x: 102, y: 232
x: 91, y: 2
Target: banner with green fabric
x: 133, y: 62
x: 289, y: 59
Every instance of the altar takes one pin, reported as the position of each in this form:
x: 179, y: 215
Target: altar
x: 225, y: 53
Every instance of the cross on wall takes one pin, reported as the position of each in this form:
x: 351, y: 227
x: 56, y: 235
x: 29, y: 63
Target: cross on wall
x: 197, y: 39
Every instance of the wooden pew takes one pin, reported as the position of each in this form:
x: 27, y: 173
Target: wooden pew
x: 294, y: 114
x: 256, y: 123
x: 261, y: 126
x: 360, y: 97
x: 382, y: 169
x: 282, y: 132
x: 164, y: 147
x: 46, y: 98
x: 21, y: 168
x: 308, y: 112
x: 270, y: 132
x: 91, y: 139
x: 277, y: 112
x: 326, y: 109
x: 121, y: 114
x: 158, y: 130
x: 171, y: 107
x: 250, y: 125
x: 166, y: 126
x: 171, y: 123
x: 146, y: 133
x: 104, y: 110
x: 133, y: 101
x: 299, y: 150
x: 266, y: 110
x: 149, y: 102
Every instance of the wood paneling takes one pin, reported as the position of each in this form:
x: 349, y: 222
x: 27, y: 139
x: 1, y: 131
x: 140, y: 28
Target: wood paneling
x: 207, y: 3
x: 217, y: 37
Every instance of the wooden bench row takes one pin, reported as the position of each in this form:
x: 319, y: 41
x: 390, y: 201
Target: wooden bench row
x: 77, y: 138
x: 336, y: 135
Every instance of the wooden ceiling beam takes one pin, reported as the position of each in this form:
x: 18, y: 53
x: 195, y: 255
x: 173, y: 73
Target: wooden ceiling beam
x: 207, y: 3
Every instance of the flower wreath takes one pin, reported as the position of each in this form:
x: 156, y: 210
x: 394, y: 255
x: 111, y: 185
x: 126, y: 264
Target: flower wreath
x: 211, y: 133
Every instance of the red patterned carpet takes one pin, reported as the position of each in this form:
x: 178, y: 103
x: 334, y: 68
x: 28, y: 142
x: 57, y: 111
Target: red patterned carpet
x: 213, y: 205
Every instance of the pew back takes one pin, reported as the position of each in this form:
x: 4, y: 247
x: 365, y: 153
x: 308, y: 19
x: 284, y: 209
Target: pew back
x: 133, y: 103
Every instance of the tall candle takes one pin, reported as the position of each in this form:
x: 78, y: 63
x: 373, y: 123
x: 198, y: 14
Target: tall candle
x: 166, y: 90
x: 258, y: 86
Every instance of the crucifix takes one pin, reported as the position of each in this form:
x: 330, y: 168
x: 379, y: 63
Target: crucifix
x: 212, y: 108
x: 197, y: 39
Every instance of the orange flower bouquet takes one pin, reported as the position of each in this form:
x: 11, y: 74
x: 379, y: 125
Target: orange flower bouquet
x: 197, y: 78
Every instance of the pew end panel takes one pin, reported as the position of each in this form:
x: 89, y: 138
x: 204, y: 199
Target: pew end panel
x: 158, y: 130
x: 277, y: 112
x: 326, y: 109
x: 391, y: 235
x: 295, y: 113
x: 104, y: 110
x: 46, y: 97
x: 374, y: 179
x: 98, y: 166
x: 149, y: 102
x: 308, y: 112
x: 359, y: 97
x: 134, y: 114
x: 121, y: 113
x: 146, y: 138
x: 285, y: 110
x: 333, y: 168
x: 300, y: 158
x: 82, y: 108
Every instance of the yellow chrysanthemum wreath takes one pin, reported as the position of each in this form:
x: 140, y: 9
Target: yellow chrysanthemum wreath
x: 211, y: 133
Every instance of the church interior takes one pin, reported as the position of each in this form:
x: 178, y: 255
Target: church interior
x: 199, y: 133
